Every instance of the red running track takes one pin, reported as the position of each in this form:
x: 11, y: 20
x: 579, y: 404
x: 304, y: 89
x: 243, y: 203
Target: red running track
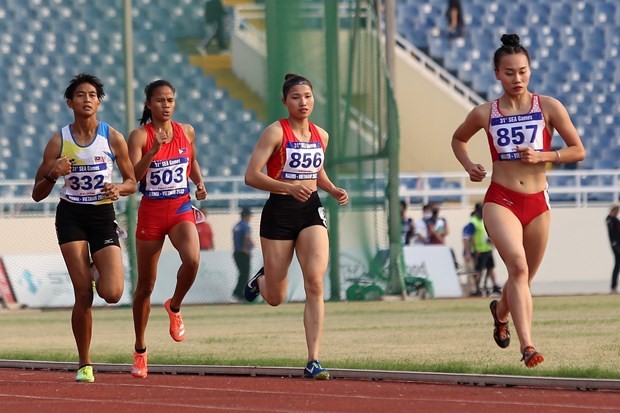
x: 37, y: 391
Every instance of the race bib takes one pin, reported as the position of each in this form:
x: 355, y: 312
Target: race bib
x: 303, y: 160
x: 85, y: 183
x: 167, y: 178
x: 523, y: 131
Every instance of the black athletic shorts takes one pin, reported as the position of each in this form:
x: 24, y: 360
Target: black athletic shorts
x: 484, y: 261
x: 93, y: 223
x: 284, y: 217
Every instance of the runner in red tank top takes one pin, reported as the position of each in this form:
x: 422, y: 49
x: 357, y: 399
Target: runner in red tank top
x: 163, y: 155
x: 293, y: 219
x: 519, y: 126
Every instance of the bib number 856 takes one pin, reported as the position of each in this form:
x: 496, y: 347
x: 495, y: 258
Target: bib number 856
x: 308, y: 159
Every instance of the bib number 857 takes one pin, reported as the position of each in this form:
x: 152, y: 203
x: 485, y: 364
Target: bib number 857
x: 515, y: 135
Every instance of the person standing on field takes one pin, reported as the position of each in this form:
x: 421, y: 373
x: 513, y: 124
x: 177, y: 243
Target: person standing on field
x: 613, y: 229
x: 243, y: 246
x: 205, y: 232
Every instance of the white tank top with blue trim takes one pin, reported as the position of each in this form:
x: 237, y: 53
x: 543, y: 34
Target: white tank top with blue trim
x: 91, y: 167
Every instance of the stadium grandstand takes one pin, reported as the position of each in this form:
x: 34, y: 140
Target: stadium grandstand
x: 574, y: 46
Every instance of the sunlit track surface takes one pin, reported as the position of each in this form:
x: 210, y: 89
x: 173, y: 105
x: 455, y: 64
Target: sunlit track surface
x: 403, y: 376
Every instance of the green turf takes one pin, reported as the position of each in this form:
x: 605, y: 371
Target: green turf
x: 579, y: 336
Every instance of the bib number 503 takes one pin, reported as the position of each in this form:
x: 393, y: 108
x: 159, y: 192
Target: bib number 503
x: 166, y: 176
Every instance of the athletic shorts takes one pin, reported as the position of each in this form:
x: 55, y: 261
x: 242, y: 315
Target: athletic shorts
x: 484, y: 261
x: 284, y: 217
x: 156, y: 217
x: 525, y: 207
x: 92, y: 223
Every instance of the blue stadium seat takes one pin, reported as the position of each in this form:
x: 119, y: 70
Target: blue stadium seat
x: 574, y: 47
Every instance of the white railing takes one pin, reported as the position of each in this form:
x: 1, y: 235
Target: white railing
x: 576, y: 189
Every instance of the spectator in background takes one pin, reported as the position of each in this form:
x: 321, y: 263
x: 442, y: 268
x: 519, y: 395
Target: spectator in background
x: 420, y: 225
x: 437, y: 226
x: 478, y: 252
x: 242, y: 254
x: 408, y: 226
x: 613, y: 228
x: 456, y: 24
x: 205, y: 232
x: 215, y: 25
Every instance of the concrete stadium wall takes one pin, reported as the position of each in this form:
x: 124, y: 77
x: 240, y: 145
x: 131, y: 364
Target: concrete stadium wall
x: 578, y: 258
x: 429, y: 113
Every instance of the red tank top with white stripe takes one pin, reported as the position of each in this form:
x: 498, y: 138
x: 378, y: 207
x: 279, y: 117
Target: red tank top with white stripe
x: 297, y: 160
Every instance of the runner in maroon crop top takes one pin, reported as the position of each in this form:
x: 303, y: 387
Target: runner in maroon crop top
x: 519, y: 126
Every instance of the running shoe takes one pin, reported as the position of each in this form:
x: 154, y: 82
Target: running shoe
x: 139, y: 368
x: 531, y: 357
x: 501, y: 332
x: 94, y: 274
x: 251, y: 291
x: 177, y: 328
x: 85, y: 374
x: 314, y: 370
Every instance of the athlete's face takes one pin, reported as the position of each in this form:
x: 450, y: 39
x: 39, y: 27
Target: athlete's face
x: 514, y: 73
x: 300, y: 101
x: 85, y: 101
x: 161, y: 103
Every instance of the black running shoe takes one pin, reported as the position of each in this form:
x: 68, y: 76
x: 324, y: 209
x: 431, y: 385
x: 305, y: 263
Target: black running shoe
x: 251, y: 291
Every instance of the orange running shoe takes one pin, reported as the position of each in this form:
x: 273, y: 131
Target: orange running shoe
x: 531, y: 357
x: 139, y: 368
x: 177, y: 328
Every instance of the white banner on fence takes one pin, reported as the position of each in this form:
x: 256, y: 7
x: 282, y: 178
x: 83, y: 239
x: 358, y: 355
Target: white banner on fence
x: 434, y: 262
x: 216, y: 278
x: 43, y: 281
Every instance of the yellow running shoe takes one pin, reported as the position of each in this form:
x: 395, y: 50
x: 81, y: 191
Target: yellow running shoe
x: 85, y: 374
x: 177, y: 328
x: 139, y: 368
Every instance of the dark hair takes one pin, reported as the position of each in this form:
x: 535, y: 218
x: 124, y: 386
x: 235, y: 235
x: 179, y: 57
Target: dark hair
x: 245, y: 211
x: 148, y: 92
x: 510, y: 45
x: 291, y: 80
x: 84, y: 78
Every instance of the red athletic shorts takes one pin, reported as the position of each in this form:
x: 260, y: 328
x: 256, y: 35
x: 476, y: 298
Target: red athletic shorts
x: 156, y: 217
x: 526, y: 207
